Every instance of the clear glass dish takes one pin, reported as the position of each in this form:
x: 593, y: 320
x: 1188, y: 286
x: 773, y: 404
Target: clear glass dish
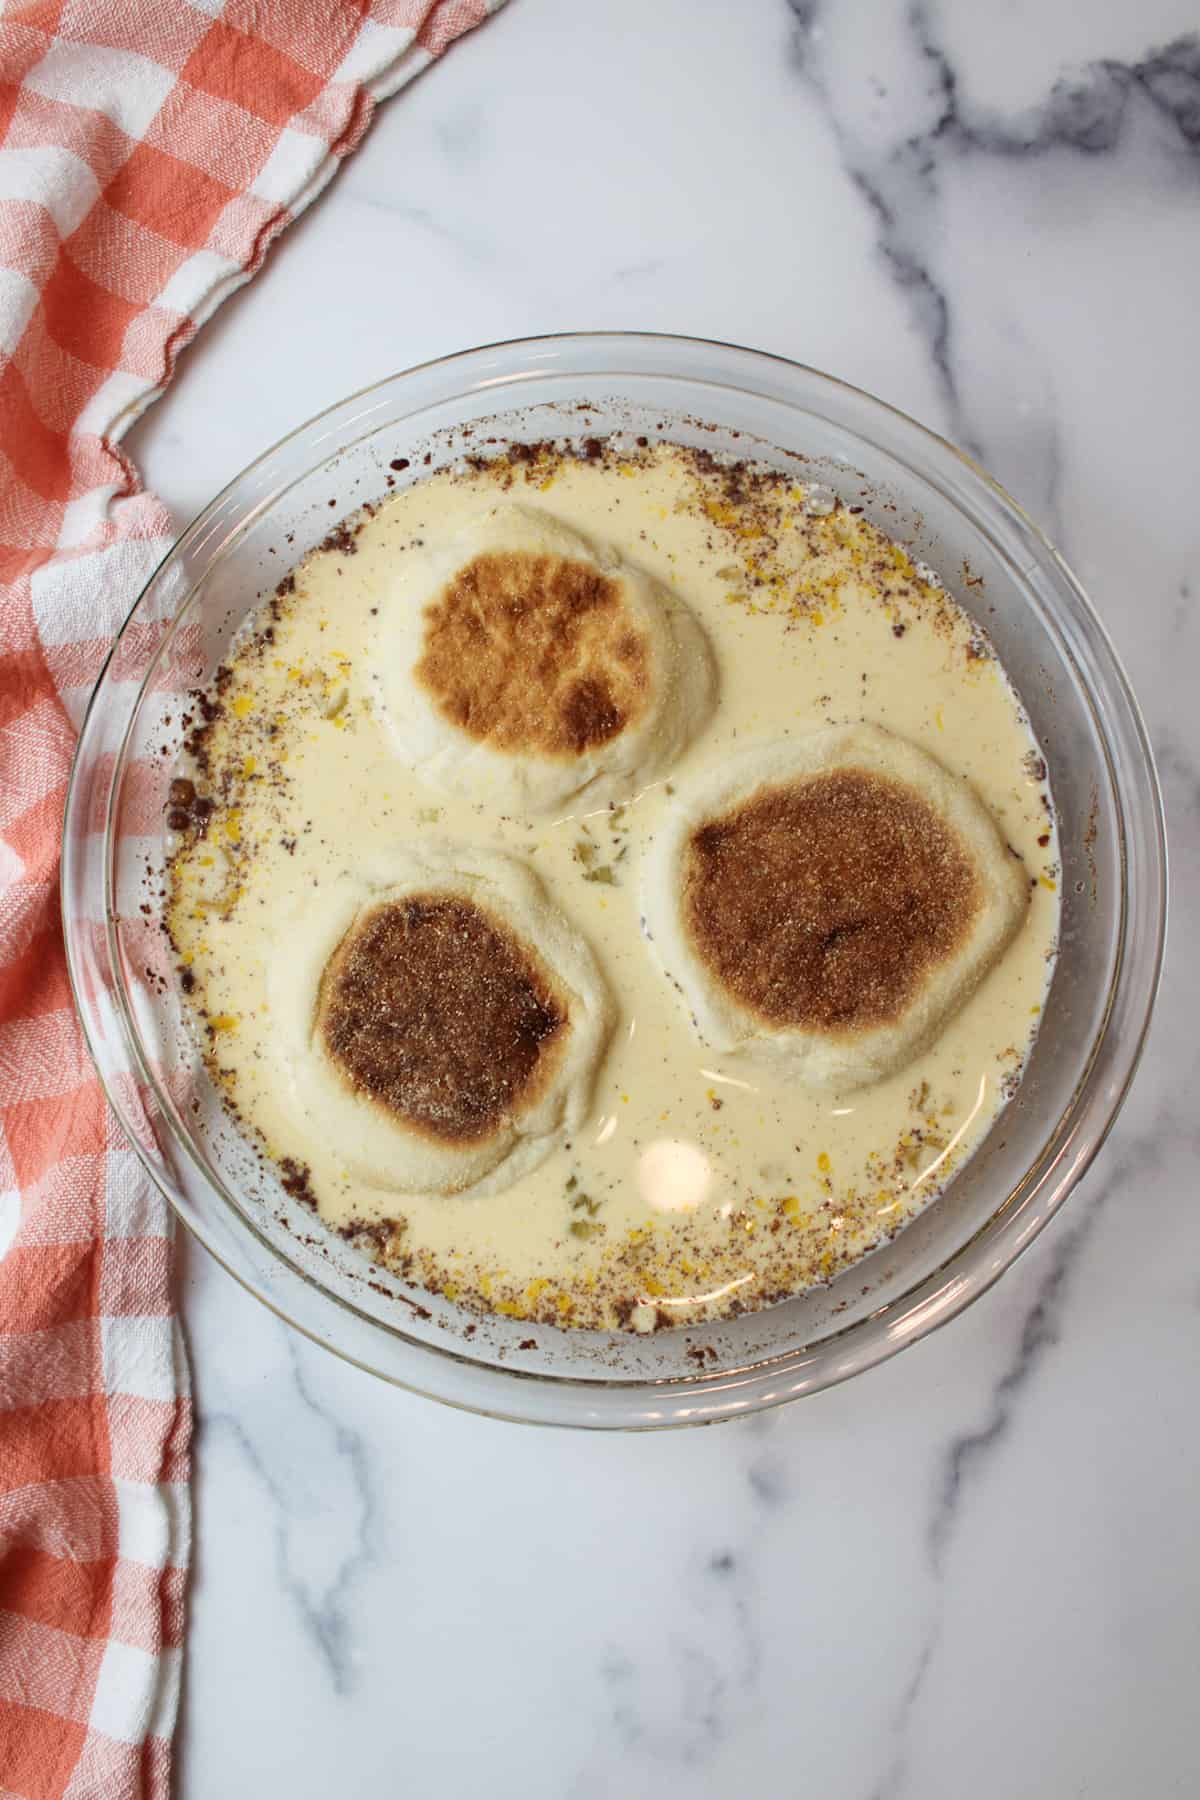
x: 925, y: 494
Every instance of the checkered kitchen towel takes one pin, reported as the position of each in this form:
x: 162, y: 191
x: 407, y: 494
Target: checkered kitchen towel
x: 150, y: 151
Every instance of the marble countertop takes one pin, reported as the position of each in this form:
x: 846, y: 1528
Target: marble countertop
x: 972, y: 1571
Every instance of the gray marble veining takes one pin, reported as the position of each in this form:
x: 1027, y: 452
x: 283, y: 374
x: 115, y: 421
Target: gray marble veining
x: 316, y: 1481
x: 916, y: 120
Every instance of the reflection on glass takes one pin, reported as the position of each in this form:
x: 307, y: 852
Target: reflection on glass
x: 704, y: 1299
x: 728, y: 1080
x: 940, y: 1159
x: 673, y: 1176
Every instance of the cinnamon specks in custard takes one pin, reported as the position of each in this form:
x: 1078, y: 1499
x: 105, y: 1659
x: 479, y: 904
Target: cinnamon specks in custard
x: 690, y: 1183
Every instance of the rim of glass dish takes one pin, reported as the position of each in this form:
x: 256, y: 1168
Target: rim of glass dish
x: 898, y: 1321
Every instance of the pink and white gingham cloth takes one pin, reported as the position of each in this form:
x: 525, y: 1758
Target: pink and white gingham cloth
x: 150, y: 152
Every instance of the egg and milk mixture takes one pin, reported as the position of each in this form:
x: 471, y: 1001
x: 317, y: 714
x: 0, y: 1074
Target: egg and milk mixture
x: 698, y: 1185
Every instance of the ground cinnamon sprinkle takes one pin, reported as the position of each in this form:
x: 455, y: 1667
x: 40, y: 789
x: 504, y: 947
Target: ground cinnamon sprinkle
x: 823, y: 903
x: 437, y: 1013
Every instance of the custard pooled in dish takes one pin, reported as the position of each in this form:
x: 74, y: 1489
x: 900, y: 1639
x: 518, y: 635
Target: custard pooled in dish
x: 518, y: 664
x: 525, y: 689
x: 437, y: 1019
x: 829, y: 901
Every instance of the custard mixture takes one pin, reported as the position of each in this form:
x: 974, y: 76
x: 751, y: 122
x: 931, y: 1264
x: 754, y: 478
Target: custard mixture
x: 688, y: 1183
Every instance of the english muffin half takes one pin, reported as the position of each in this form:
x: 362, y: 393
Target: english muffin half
x: 829, y: 901
x: 438, y: 1019
x: 520, y: 665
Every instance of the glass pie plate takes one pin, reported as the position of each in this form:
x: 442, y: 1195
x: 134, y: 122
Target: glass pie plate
x: 924, y: 493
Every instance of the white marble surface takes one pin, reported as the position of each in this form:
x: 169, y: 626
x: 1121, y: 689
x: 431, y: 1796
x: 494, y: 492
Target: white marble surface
x: 975, y: 1570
